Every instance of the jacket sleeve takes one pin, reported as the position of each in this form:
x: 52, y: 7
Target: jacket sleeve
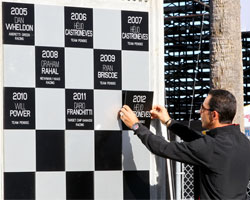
x: 197, y: 152
x: 184, y: 132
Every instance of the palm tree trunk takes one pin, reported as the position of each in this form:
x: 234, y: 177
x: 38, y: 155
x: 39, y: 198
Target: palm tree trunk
x: 226, y: 51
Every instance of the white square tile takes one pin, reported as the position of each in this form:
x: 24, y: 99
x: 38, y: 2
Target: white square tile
x: 107, y: 104
x: 108, y: 185
x: 49, y: 21
x: 135, y: 155
x: 135, y: 70
x: 19, y: 66
x: 79, y: 68
x: 50, y: 186
x: 107, y: 29
x: 19, y: 151
x: 50, y: 108
x: 79, y: 150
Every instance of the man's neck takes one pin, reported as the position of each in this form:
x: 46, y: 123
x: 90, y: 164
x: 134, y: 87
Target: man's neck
x: 218, y: 125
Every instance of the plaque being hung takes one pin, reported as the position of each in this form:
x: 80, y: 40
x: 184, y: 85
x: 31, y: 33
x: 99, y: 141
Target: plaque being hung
x: 18, y: 23
x: 141, y: 103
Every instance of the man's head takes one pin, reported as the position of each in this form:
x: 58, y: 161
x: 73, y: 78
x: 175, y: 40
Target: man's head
x: 218, y: 108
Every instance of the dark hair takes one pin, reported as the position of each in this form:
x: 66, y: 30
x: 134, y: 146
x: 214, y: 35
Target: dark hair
x: 224, y: 103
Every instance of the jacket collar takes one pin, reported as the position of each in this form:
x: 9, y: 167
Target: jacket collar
x: 232, y: 128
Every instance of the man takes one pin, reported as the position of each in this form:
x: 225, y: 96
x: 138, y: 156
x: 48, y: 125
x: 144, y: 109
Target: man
x: 222, y: 155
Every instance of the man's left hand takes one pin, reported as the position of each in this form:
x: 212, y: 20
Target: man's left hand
x: 128, y: 116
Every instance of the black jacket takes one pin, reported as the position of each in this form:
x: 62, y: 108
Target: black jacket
x: 222, y: 156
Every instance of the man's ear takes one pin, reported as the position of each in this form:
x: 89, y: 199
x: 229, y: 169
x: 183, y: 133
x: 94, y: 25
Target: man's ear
x: 215, y: 115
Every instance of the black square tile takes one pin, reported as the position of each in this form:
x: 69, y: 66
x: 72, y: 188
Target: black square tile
x: 78, y: 19
x: 50, y: 150
x: 22, y: 14
x: 19, y: 108
x: 50, y: 67
x: 79, y: 109
x: 19, y: 185
x: 107, y: 69
x: 136, y: 23
x: 136, y: 185
x: 108, y: 150
x: 80, y: 185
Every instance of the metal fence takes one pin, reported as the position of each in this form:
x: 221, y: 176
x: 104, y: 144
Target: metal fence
x: 188, y: 182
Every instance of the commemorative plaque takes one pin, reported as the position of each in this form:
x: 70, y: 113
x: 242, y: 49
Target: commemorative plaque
x: 78, y: 27
x: 50, y: 67
x: 79, y: 109
x: 19, y: 109
x: 135, y: 30
x: 18, y: 23
x: 107, y: 69
x: 141, y: 103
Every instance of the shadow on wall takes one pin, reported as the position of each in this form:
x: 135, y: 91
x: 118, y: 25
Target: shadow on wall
x: 136, y: 181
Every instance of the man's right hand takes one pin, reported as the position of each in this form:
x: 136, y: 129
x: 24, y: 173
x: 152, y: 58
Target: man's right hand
x: 160, y: 112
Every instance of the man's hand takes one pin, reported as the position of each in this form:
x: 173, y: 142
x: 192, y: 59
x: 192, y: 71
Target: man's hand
x: 160, y: 112
x: 128, y: 116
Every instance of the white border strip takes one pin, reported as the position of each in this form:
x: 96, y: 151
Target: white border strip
x: 136, y: 5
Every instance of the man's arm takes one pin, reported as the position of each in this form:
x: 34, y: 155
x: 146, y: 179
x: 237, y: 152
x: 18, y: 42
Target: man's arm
x: 197, y: 152
x: 161, y: 113
x: 183, y: 131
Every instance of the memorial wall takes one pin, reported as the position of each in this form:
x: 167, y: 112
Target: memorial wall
x: 67, y: 70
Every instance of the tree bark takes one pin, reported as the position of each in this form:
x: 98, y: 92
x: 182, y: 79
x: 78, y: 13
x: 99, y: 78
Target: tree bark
x: 226, y: 51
